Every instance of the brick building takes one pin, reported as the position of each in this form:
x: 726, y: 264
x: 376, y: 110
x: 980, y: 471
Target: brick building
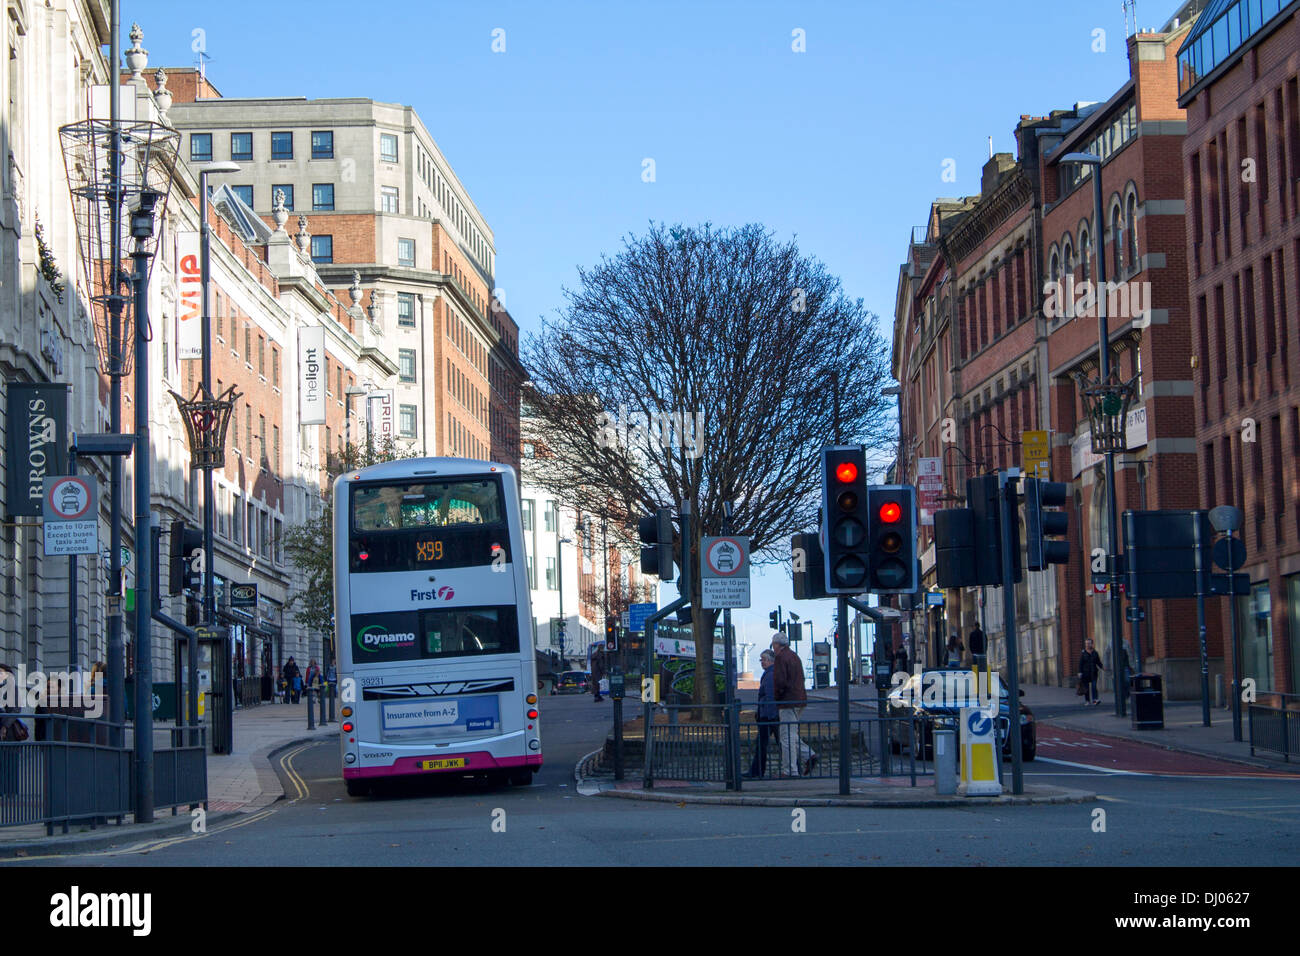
x: 1009, y: 257
x: 1237, y: 80
x: 1138, y: 134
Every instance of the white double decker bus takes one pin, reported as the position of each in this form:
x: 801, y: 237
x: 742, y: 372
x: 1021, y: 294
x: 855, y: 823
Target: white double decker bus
x: 433, y: 623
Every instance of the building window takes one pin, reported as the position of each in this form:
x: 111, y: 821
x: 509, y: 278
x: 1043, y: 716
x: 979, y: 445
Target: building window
x: 532, y: 575
x: 282, y: 145
x: 322, y: 144
x: 322, y: 248
x: 406, y: 420
x: 550, y: 575
x: 264, y: 534
x: 261, y: 355
x: 527, y: 510
x: 245, y: 194
x: 406, y: 364
x: 388, y: 147
x: 275, y: 366
x: 1085, y: 253
x: 322, y: 197
x: 529, y: 451
x: 275, y: 447
x: 1255, y: 612
x: 288, y: 195
x: 388, y: 198
x: 406, y: 309
x: 241, y: 146
x: 1130, y: 218
x: 406, y: 252
x: 279, y: 541
x: 200, y: 147
x: 237, y: 521
x: 549, y: 516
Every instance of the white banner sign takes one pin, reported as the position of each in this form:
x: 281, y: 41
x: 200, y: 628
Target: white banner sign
x: 379, y: 415
x: 189, y: 307
x: 311, y: 375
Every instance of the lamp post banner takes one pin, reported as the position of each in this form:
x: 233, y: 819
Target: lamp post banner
x: 189, y: 281
x: 311, y: 375
x: 37, y: 431
x: 379, y: 414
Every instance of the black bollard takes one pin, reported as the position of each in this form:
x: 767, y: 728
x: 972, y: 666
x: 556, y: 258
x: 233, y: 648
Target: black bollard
x: 331, y: 695
x: 311, y: 723
x: 320, y: 696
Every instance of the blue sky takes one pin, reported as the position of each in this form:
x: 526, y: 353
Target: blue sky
x: 841, y: 146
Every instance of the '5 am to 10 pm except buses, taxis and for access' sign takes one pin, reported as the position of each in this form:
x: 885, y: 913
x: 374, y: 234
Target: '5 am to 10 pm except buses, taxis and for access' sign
x: 71, y: 511
x: 724, y: 572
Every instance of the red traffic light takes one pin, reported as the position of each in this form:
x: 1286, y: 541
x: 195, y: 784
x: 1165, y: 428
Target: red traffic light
x: 891, y: 512
x: 846, y: 472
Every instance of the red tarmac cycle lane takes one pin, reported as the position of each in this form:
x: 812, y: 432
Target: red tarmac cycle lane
x: 1120, y: 754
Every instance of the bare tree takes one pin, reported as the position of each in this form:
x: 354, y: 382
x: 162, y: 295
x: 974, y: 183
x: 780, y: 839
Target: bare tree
x: 703, y: 365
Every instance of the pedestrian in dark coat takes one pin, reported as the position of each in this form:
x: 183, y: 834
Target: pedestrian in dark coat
x: 766, y: 716
x: 1089, y: 669
x: 293, y: 680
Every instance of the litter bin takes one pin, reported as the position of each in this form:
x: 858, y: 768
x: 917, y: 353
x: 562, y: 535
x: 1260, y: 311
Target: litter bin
x: 1147, y: 699
x: 945, y: 761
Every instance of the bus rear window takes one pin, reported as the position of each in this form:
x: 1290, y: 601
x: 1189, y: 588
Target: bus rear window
x: 413, y: 505
x: 434, y: 633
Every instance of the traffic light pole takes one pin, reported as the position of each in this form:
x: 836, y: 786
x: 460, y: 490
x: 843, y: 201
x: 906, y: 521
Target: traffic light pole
x: 647, y: 679
x: 1007, y: 507
x: 842, y: 662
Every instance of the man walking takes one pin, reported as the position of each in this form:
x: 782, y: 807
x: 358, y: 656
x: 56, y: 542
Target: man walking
x: 597, y: 672
x: 797, y: 757
x: 1089, y: 669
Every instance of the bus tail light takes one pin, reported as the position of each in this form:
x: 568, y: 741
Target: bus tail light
x: 347, y: 726
x: 532, y: 715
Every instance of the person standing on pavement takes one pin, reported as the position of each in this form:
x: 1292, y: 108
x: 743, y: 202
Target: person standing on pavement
x: 797, y: 758
x: 292, y: 680
x: 597, y: 672
x: 1089, y: 669
x: 955, y: 650
x: 766, y: 716
x: 900, y: 659
x: 11, y: 729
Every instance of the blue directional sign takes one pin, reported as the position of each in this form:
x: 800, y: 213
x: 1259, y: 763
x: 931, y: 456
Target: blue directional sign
x: 637, y: 614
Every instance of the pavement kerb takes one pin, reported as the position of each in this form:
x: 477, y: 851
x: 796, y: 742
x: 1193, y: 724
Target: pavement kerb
x: 586, y: 764
x: 740, y: 800
x: 129, y: 833
x: 107, y: 838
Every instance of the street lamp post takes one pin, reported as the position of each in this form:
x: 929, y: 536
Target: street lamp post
x: 1103, y: 373
x: 209, y: 506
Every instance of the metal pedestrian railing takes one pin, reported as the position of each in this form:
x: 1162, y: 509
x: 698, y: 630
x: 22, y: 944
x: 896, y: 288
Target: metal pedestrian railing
x: 698, y: 751
x: 79, y: 770
x: 1275, y: 724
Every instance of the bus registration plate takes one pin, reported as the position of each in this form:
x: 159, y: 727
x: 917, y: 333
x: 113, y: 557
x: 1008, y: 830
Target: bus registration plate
x: 447, y: 763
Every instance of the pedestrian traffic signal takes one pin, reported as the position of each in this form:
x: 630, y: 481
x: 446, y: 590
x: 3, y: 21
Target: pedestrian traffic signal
x: 1041, y: 526
x: 656, y: 533
x: 774, y: 619
x: 186, y: 567
x: 891, y: 538
x: 845, y: 519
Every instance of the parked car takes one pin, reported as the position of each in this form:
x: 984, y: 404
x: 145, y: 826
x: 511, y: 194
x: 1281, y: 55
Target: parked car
x: 572, y: 682
x: 936, y: 697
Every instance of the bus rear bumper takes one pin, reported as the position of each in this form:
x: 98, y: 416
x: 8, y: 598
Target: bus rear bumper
x: 476, y: 762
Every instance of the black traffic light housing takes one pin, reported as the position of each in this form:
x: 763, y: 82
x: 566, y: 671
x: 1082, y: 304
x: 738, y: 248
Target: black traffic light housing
x: 186, y: 545
x: 846, y: 564
x: 774, y: 619
x: 1041, y: 527
x: 611, y: 636
x: 808, y: 566
x: 891, y: 539
x: 656, y: 534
